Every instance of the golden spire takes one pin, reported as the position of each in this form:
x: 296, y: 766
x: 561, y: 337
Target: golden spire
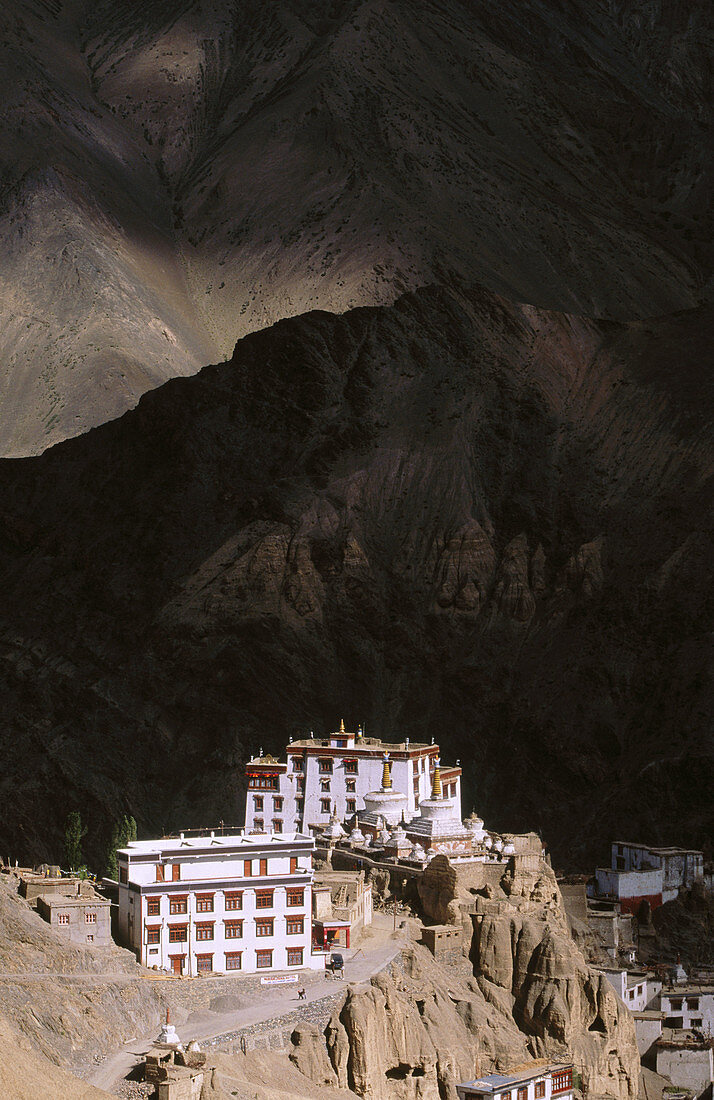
x: 436, y: 781
x: 342, y: 725
x: 386, y: 773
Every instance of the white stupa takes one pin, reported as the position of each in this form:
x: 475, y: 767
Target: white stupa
x: 475, y: 826
x: 168, y: 1036
x: 356, y: 837
x: 438, y: 824
x: 386, y: 803
x: 418, y: 854
x: 333, y: 832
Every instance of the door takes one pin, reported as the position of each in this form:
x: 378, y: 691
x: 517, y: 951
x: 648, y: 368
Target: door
x: 177, y: 964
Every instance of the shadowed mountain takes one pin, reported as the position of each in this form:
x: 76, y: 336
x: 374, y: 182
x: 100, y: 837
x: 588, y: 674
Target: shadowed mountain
x: 454, y: 516
x: 177, y: 174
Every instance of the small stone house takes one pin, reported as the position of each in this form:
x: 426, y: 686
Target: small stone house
x: 84, y: 919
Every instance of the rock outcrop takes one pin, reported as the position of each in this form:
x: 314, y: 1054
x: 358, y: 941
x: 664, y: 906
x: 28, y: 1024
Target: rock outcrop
x: 523, y: 990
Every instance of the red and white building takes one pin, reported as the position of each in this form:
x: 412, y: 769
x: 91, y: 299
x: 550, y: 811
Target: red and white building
x: 640, y: 873
x: 329, y: 776
x: 196, y: 904
x: 536, y: 1080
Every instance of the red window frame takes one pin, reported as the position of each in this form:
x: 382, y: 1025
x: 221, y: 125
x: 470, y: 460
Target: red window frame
x: 263, y: 959
x: 294, y: 926
x: 351, y: 805
x: 204, y: 903
x: 234, y: 960
x: 325, y: 805
x: 153, y: 934
x: 278, y: 801
x: 233, y: 929
x: 178, y: 933
x: 562, y: 1081
x: 264, y: 899
x: 263, y: 867
x: 234, y: 901
x: 264, y: 926
x: 295, y: 955
x: 175, y: 872
x: 159, y: 872
x: 277, y: 825
x: 324, y: 767
x: 63, y: 918
x: 295, y: 897
x: 523, y: 1093
x: 204, y: 931
x: 351, y: 767
x: 153, y: 907
x: 204, y: 964
x: 248, y: 868
x: 293, y: 864
x: 539, y: 1090
x: 178, y: 905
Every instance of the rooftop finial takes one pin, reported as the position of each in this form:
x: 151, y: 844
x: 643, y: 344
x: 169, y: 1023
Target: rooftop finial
x: 342, y: 725
x: 436, y: 791
x: 386, y: 773
x: 359, y: 732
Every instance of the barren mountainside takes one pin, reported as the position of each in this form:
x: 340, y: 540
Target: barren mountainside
x: 452, y: 517
x: 178, y: 173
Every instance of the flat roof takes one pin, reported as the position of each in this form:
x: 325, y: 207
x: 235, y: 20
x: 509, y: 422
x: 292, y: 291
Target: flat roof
x: 667, y: 850
x: 495, y: 1082
x: 357, y: 743
x: 57, y: 901
x: 186, y: 844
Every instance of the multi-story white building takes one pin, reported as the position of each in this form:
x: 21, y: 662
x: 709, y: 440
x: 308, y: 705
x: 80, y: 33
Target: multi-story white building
x: 331, y: 775
x: 689, y: 1005
x: 636, y: 988
x: 536, y: 1080
x: 196, y: 904
x: 640, y: 873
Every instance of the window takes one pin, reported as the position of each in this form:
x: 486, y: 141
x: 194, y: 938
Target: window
x: 263, y: 866
x: 153, y: 907
x: 278, y: 805
x: 325, y: 767
x: 63, y: 918
x: 325, y: 785
x: 263, y: 959
x: 204, y: 931
x: 248, y: 867
x: 676, y: 1004
x: 258, y: 802
x: 351, y: 806
x: 325, y: 805
x: 123, y: 875
x: 277, y: 825
x: 233, y: 929
x: 351, y: 766
x: 178, y: 905
x: 264, y: 899
x: 506, y: 1096
x: 415, y: 765
x: 297, y: 763
x: 233, y: 960
x: 204, y: 903
x: 153, y: 935
x: 263, y: 782
x: 175, y: 872
x: 693, y: 1004
x: 523, y: 1093
x: 293, y: 864
x: 90, y: 918
x: 258, y: 824
x: 159, y: 872
x: 299, y: 804
x: 234, y: 901
x: 204, y: 963
x: 562, y: 1080
x: 295, y: 956
x: 539, y: 1090
x: 300, y: 783
x: 350, y: 784
x: 696, y: 1023
x: 264, y: 926
x: 295, y: 926
x: 416, y: 784
x: 90, y: 939
x: 178, y: 933
x: 295, y: 897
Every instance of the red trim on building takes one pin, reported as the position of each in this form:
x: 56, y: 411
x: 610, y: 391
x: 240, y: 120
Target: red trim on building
x: 632, y: 905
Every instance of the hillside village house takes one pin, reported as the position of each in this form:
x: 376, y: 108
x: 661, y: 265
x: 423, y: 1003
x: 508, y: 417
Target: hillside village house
x: 536, y: 1080
x: 635, y: 988
x: 640, y: 873
x: 196, y: 904
x: 330, y: 776
x: 689, y: 1005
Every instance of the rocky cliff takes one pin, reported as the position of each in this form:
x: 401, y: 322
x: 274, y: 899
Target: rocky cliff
x: 453, y: 517
x: 178, y: 174
x: 523, y: 990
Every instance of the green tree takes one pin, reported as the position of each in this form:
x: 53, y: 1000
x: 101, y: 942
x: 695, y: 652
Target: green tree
x: 123, y: 831
x: 73, y: 836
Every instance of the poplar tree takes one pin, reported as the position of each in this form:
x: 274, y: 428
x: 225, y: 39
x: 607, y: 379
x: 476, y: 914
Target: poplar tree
x: 73, y: 836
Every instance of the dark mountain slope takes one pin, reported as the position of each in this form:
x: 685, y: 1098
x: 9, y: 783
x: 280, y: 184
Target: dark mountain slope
x: 176, y: 174
x: 455, y: 516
